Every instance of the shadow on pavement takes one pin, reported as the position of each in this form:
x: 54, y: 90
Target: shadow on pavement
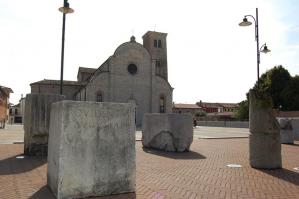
x: 45, y: 193
x: 175, y: 155
x: 13, y: 165
x: 284, y: 174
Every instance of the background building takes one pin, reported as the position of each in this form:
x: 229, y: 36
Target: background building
x: 194, y: 109
x: 218, y: 111
x: 15, y: 114
x: 4, y: 102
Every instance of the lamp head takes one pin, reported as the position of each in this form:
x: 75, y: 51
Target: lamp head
x: 66, y: 8
x: 245, y: 22
x: 265, y: 49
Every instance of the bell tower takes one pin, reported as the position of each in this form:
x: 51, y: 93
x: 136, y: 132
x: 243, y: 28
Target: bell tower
x: 155, y: 43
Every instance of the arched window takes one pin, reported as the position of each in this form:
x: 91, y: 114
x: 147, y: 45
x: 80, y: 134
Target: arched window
x: 162, y: 104
x: 99, y: 97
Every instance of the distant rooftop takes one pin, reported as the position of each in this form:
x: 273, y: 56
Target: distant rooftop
x: 57, y: 82
x: 217, y: 104
x: 187, y: 106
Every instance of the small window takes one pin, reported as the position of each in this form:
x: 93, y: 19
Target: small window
x: 162, y: 104
x: 132, y: 69
x: 159, y: 44
x: 99, y: 96
x: 159, y: 70
x: 155, y: 43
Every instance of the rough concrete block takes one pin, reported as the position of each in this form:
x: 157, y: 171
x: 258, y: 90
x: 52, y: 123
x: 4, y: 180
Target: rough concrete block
x: 286, y: 131
x: 264, y: 138
x: 295, y: 125
x: 91, y: 149
x: 37, y: 121
x: 167, y: 131
x: 264, y: 151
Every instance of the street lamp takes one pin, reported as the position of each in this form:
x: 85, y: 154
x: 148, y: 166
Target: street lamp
x: 65, y: 10
x: 263, y: 48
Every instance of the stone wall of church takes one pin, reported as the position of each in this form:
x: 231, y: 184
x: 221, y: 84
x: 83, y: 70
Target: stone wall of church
x: 161, y: 88
x: 128, y: 87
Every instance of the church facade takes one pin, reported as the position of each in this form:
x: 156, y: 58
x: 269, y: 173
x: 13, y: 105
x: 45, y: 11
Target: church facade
x: 135, y: 73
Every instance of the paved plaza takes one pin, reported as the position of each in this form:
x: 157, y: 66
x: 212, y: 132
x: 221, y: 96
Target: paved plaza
x: 201, y: 173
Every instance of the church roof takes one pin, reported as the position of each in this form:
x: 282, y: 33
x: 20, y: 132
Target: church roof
x: 153, y: 32
x: 86, y: 70
x: 57, y: 82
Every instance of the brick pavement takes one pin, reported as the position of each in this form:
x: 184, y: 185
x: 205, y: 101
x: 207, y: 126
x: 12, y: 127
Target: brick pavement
x: 201, y: 173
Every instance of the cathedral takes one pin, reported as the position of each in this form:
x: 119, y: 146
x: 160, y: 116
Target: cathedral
x: 135, y: 73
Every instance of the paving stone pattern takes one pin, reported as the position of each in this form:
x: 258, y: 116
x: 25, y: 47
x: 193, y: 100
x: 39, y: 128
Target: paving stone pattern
x: 201, y: 173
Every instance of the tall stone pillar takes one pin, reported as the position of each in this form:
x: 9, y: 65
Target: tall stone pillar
x: 264, y: 138
x: 37, y: 122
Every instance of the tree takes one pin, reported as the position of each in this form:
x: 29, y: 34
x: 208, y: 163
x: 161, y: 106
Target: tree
x: 290, y: 95
x: 242, y: 113
x: 273, y: 82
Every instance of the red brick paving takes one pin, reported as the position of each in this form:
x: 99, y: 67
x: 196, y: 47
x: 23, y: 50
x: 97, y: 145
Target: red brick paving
x: 201, y: 173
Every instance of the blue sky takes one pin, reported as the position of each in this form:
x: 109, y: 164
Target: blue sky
x: 210, y: 57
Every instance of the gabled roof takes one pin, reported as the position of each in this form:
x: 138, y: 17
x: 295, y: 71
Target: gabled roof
x: 57, y: 82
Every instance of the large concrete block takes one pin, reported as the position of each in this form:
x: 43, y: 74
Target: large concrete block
x: 295, y: 125
x: 264, y: 138
x: 37, y: 121
x: 167, y: 131
x: 286, y: 131
x: 91, y: 149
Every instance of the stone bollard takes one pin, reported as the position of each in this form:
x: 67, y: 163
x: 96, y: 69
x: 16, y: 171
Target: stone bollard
x: 264, y: 138
x: 36, y: 122
x: 286, y: 131
x: 91, y: 149
x: 167, y: 131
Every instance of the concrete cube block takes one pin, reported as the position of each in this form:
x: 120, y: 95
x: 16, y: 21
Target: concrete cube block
x: 91, y: 149
x: 264, y: 138
x: 37, y: 121
x: 295, y: 125
x: 167, y: 131
x: 286, y: 131
x: 265, y: 151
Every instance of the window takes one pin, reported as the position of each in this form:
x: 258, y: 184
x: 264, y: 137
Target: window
x: 159, y: 44
x: 132, y: 69
x: 162, y: 104
x: 10, y: 111
x: 158, y: 68
x: 16, y: 111
x: 99, y: 96
x: 155, y: 43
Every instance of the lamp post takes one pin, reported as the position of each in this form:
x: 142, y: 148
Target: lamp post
x: 263, y: 48
x: 65, y: 10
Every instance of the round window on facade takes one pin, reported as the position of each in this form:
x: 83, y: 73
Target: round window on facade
x: 132, y: 69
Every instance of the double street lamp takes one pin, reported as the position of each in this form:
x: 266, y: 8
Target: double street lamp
x: 263, y: 48
x: 65, y: 10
